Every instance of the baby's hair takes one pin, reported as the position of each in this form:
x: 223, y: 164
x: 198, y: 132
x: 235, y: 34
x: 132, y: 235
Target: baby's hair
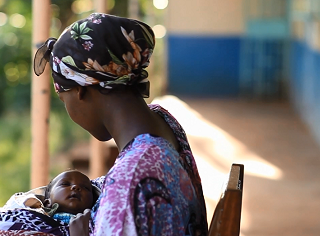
x: 48, y: 189
x: 51, y: 183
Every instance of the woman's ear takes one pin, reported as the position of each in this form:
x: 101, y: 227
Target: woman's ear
x: 47, y: 202
x: 81, y: 92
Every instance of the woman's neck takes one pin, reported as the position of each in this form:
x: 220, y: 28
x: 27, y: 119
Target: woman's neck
x: 127, y: 116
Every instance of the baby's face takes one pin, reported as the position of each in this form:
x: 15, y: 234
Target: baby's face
x: 72, y: 190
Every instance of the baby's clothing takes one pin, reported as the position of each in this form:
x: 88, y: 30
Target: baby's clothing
x: 26, y: 200
x: 65, y: 217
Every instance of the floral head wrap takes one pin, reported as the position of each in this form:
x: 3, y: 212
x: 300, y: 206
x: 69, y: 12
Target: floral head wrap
x: 100, y: 50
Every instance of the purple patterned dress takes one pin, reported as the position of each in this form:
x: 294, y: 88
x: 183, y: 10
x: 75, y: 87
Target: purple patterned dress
x: 152, y: 189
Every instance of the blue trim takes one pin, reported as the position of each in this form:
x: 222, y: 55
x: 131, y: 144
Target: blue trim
x: 305, y: 84
x: 304, y: 73
x: 203, y: 65
x: 262, y: 71
x: 274, y: 28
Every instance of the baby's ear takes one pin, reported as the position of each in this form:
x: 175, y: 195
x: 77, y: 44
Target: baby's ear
x: 47, y: 202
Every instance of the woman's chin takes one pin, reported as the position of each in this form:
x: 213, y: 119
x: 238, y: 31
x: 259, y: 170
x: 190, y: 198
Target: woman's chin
x: 102, y: 138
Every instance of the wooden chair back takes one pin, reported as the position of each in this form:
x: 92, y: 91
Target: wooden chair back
x: 227, y: 215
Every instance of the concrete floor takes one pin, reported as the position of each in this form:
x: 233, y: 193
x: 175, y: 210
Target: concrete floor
x: 282, y: 161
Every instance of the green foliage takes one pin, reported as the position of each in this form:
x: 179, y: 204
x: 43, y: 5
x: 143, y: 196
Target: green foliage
x: 15, y: 149
x: 15, y: 58
x: 120, y: 8
x: 14, y: 154
x: 15, y: 94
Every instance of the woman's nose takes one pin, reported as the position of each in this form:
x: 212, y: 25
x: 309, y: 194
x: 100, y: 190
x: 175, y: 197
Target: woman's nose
x: 75, y: 187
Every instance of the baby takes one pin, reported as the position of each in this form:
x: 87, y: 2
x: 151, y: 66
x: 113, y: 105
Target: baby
x: 68, y: 194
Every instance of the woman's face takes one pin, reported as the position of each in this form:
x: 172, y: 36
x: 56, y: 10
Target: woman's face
x: 74, y: 107
x: 82, y: 112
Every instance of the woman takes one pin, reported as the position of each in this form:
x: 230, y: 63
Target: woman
x: 98, y: 67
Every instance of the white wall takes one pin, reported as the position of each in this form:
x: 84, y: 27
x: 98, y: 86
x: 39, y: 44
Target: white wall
x: 205, y: 17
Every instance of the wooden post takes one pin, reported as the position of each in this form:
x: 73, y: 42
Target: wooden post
x: 100, y: 6
x: 40, y: 99
x: 97, y: 148
x: 133, y: 9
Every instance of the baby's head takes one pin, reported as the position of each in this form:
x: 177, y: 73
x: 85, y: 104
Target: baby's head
x: 72, y: 190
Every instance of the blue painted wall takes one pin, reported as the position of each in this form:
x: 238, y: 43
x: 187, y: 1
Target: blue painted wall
x: 305, y: 84
x: 203, y: 65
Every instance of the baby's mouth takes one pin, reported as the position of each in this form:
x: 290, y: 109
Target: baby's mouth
x: 74, y: 196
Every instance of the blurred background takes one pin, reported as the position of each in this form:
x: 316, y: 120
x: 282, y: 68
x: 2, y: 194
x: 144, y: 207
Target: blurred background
x: 240, y: 76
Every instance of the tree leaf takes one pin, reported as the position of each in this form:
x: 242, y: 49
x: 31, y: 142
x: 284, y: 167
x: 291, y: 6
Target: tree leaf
x: 122, y: 80
x: 147, y: 36
x: 83, y: 26
x: 85, y: 37
x: 69, y: 60
x: 86, y: 30
x: 75, y: 27
x: 115, y: 59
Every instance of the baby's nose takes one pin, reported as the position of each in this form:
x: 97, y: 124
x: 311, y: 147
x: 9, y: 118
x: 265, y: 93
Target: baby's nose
x: 75, y: 187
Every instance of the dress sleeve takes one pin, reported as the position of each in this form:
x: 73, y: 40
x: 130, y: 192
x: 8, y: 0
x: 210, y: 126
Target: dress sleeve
x: 98, y: 181
x: 153, y: 208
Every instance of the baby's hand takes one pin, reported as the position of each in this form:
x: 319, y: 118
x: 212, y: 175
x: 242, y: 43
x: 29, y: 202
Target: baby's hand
x: 79, y: 225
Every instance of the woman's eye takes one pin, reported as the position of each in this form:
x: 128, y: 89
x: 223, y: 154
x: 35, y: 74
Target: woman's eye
x: 64, y: 184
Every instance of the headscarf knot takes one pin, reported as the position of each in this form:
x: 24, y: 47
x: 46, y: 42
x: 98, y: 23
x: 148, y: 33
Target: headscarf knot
x: 42, y: 56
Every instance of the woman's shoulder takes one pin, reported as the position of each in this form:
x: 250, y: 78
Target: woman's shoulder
x: 98, y: 182
x: 167, y: 116
x: 174, y: 125
x: 159, y: 109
